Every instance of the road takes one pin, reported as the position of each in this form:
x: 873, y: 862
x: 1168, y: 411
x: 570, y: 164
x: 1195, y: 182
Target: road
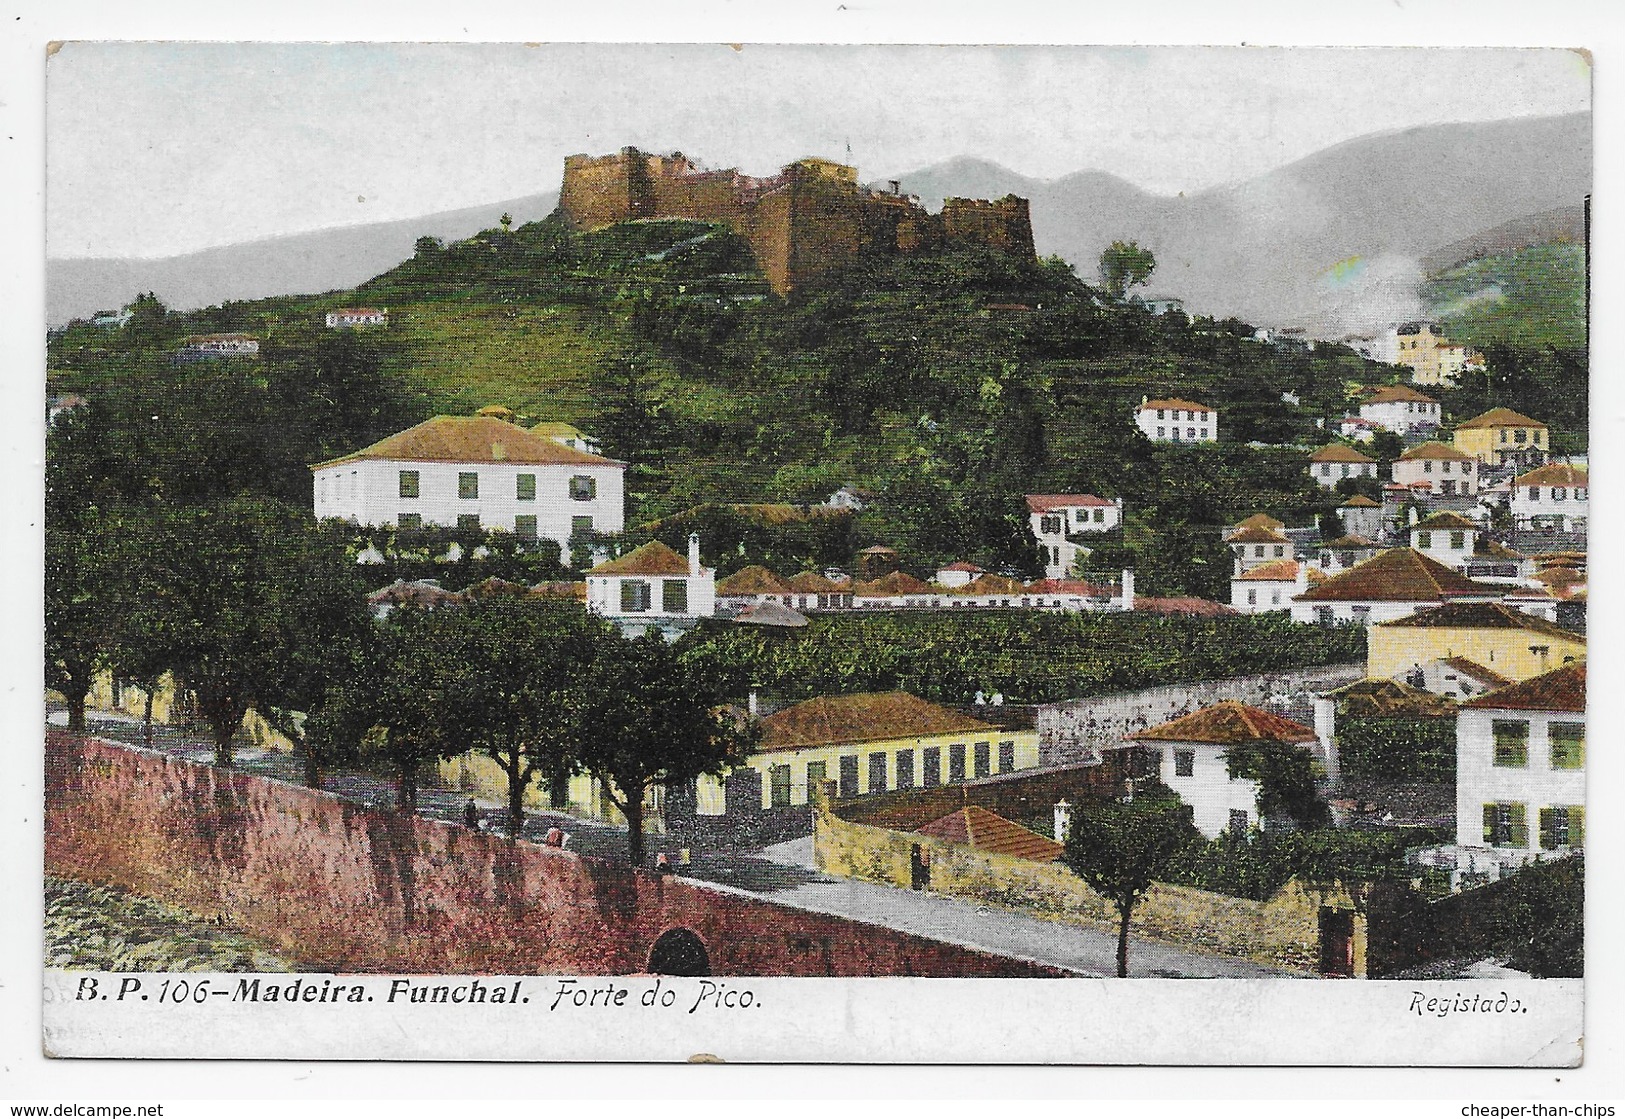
x: 784, y: 873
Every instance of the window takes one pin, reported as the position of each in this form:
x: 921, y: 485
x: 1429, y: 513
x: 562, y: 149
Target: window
x: 1345, y: 470
x: 849, y: 776
x: 983, y: 759
x: 1568, y: 743
x: 409, y: 522
x: 877, y: 773
x: 1160, y: 416
x: 1427, y: 467
x: 905, y: 769
x: 674, y: 596
x: 1162, y: 433
x: 1258, y: 551
x: 1100, y: 516
x: 931, y: 766
x: 409, y: 483
x: 525, y: 487
x: 1190, y: 433
x: 580, y: 526
x: 1458, y: 540
x: 468, y: 484
x: 817, y: 774
x: 1007, y: 757
x: 524, y: 526
x: 1280, y: 550
x: 1424, y: 540
x: 779, y: 782
x: 1560, y: 493
x: 1505, y: 826
x: 1511, y: 743
x: 956, y: 763
x: 1239, y: 819
x: 583, y: 488
x: 1252, y: 596
x: 1275, y: 598
x: 635, y: 597
x: 1184, y: 763
x: 468, y: 522
x: 1518, y: 436
x: 1562, y: 827
x: 1051, y: 525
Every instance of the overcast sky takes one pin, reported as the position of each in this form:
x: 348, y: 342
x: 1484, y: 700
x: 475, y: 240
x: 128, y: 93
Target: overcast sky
x: 160, y: 149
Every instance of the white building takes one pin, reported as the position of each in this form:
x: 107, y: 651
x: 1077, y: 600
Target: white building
x: 1269, y: 586
x: 1400, y: 408
x: 957, y: 574
x: 1353, y: 427
x: 569, y: 435
x: 1255, y: 541
x: 849, y: 497
x: 1448, y: 538
x: 1361, y: 517
x: 1177, y: 421
x: 474, y: 472
x: 1334, y: 557
x: 1443, y: 469
x: 1191, y: 760
x: 1555, y: 496
x: 1456, y: 678
x: 1336, y: 461
x: 1055, y: 518
x: 1520, y: 768
x: 653, y: 588
x: 348, y: 317
x: 220, y: 345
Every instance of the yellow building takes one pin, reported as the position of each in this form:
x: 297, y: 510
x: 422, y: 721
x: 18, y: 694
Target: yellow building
x: 1433, y: 358
x: 1507, y: 641
x: 870, y: 743
x: 1502, y: 435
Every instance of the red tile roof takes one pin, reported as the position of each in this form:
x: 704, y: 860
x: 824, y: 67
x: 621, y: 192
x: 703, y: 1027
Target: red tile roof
x: 1260, y: 520
x: 1554, y: 474
x: 1482, y: 615
x: 1072, y: 586
x: 892, y: 585
x: 1433, y: 449
x: 1562, y: 689
x: 1255, y: 535
x: 991, y: 585
x: 811, y: 582
x: 1360, y: 501
x: 1175, y: 402
x: 472, y: 440
x: 1398, y: 575
x: 867, y: 717
x: 1183, y: 604
x: 1228, y: 723
x: 1049, y: 502
x: 1478, y: 672
x: 1275, y: 571
x: 976, y: 827
x: 963, y: 565
x: 754, y: 579
x: 1445, y: 520
x: 1339, y: 452
x: 1498, y: 417
x: 1389, y: 394
x: 653, y: 558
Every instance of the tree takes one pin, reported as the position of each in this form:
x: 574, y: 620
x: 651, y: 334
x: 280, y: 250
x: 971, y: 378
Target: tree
x: 509, y: 687
x: 650, y: 714
x: 259, y: 599
x: 1125, y: 265
x: 506, y: 221
x: 1119, y: 849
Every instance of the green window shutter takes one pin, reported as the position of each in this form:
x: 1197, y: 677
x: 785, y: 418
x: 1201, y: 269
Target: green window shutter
x: 525, y: 487
x: 1567, y: 745
x: 1548, y: 828
x: 409, y: 483
x: 1520, y: 826
x: 674, y: 596
x: 524, y: 526
x: 468, y: 484
x: 1577, y: 826
x: 1490, y: 811
x: 1511, y: 743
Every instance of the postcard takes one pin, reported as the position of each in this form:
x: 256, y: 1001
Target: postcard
x: 761, y: 552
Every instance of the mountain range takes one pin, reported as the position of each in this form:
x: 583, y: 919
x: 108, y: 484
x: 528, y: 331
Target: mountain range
x: 1337, y: 241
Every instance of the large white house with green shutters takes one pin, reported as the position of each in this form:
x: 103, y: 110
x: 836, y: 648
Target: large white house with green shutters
x: 478, y: 472
x: 1520, y: 770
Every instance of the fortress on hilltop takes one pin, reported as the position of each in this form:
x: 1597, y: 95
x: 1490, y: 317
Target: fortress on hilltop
x: 813, y: 216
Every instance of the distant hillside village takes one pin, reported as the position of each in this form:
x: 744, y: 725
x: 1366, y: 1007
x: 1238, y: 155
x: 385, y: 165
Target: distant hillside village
x: 1403, y: 640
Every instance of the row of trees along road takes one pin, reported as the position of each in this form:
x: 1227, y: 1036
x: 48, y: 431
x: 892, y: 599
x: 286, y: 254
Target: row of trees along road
x: 247, y: 603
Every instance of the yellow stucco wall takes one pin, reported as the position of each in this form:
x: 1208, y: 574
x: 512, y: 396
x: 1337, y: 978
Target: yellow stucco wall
x: 1284, y: 931
x: 1484, y: 443
x: 132, y: 701
x: 1024, y: 741
x: 479, y: 776
x: 1393, y: 650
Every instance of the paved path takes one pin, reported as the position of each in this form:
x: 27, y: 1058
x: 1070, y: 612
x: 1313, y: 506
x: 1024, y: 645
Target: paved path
x: 783, y: 873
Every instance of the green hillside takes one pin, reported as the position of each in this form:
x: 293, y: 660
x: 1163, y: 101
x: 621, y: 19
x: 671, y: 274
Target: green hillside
x: 1533, y: 296
x: 951, y: 384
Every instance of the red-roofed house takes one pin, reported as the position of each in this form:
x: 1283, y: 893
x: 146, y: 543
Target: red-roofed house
x: 1399, y: 408
x: 1556, y: 497
x: 654, y: 588
x: 1268, y: 586
x: 1336, y: 461
x: 1191, y: 760
x: 1520, y: 767
x: 1441, y: 468
x: 1177, y: 421
x: 958, y: 574
x: 1055, y: 518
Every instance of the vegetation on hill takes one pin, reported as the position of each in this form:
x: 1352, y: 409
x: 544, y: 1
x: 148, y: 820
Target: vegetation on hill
x: 950, y: 384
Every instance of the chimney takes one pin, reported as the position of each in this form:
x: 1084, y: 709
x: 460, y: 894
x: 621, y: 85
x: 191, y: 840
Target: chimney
x: 896, y: 187
x: 1128, y: 589
x: 1063, y: 820
x: 752, y: 704
x: 1326, y: 731
x: 694, y: 555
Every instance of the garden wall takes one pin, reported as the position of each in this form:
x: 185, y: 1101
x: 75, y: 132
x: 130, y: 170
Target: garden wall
x: 1284, y: 931
x: 1074, y: 732
x: 340, y: 887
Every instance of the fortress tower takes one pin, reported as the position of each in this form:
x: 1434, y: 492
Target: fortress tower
x: 810, y: 218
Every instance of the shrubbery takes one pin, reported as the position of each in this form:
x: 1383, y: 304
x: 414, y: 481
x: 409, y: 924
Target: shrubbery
x: 1257, y: 864
x: 1422, y: 750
